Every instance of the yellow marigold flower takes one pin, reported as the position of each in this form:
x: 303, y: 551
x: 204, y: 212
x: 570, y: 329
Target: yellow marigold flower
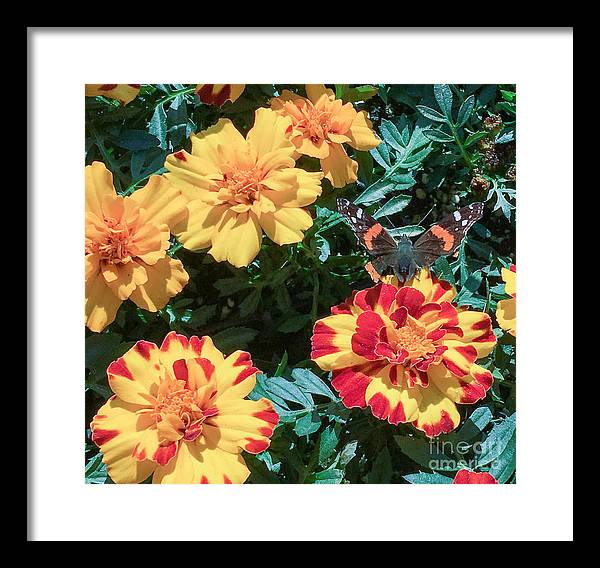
x: 239, y: 187
x: 126, y: 239
x: 122, y: 93
x: 179, y: 414
x: 218, y: 94
x: 506, y: 312
x: 321, y: 125
x: 406, y: 352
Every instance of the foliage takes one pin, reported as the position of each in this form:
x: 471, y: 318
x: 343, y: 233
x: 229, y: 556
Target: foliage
x: 442, y: 146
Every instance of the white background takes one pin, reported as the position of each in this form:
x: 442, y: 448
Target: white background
x: 539, y: 506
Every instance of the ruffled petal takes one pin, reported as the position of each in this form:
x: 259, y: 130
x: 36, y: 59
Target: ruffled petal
x: 332, y: 342
x: 506, y: 314
x: 195, y: 232
x: 135, y: 376
x: 338, y: 168
x: 269, y: 134
x: 98, y: 186
x: 287, y: 225
x: 123, y: 436
x: 437, y: 413
x: 315, y: 92
x: 176, y: 346
x: 292, y: 187
x: 166, y: 279
x: 361, y: 133
x: 237, y: 239
x: 122, y: 93
x: 101, y: 304
x: 163, y: 203
x: 464, y: 390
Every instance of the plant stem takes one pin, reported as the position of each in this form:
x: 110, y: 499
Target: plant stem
x: 175, y: 95
x: 463, y: 152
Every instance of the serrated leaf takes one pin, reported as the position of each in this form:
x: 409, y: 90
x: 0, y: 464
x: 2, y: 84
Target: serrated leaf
x: 308, y: 424
x: 428, y: 478
x: 329, y: 476
x: 504, y: 465
x: 497, y: 440
x: 378, y: 190
x: 158, y: 125
x: 475, y: 137
x: 310, y: 382
x: 438, y: 135
x: 288, y: 391
x: 327, y: 444
x: 443, y: 96
x: 391, y: 135
x: 465, y: 110
x: 431, y: 114
x: 393, y: 206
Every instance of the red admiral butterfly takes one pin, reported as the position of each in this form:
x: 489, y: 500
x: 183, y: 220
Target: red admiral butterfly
x: 404, y: 257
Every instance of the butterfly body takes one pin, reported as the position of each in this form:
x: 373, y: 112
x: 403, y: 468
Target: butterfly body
x: 403, y: 257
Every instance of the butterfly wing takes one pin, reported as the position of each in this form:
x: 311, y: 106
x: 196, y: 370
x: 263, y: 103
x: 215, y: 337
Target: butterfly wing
x: 369, y: 232
x: 444, y: 238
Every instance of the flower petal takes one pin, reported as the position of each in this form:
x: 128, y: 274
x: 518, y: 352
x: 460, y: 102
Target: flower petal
x: 315, y: 92
x: 464, y: 390
x: 123, y: 436
x: 392, y: 400
x: 510, y: 279
x: 136, y: 375
x: 237, y: 239
x: 506, y: 314
x: 101, y: 304
x: 464, y: 476
x: 98, y: 186
x: 293, y: 187
x: 361, y: 133
x: 123, y: 279
x: 332, y: 342
x: 475, y: 329
x: 437, y: 413
x: 338, y: 168
x: 163, y: 203
x: 236, y: 376
x: 219, y: 94
x: 166, y: 279
x: 122, y: 93
x: 242, y: 424
x: 269, y: 134
x: 196, y: 230
x: 176, y: 346
x: 286, y: 226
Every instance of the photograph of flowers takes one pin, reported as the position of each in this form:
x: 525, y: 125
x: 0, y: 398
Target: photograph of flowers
x: 300, y: 284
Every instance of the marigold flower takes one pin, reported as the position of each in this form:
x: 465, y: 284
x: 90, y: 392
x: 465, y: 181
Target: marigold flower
x: 219, y: 94
x: 506, y: 311
x: 122, y: 93
x: 126, y: 239
x: 239, y: 187
x: 321, y: 125
x: 179, y: 413
x: 473, y: 477
x: 406, y: 352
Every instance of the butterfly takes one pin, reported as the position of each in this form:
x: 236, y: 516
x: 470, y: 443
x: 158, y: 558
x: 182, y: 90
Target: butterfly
x: 403, y: 257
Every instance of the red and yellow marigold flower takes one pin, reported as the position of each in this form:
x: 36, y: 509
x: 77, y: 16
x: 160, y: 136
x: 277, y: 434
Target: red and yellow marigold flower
x: 126, y: 239
x: 464, y: 476
x: 239, y: 187
x: 406, y: 352
x: 179, y: 413
x: 321, y: 125
x: 219, y: 94
x: 122, y: 93
x: 506, y: 312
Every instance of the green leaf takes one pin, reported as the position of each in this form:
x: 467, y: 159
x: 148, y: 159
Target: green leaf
x: 424, y: 452
x: 428, y: 478
x: 394, y: 205
x: 497, y: 441
x: 288, y: 390
x: 202, y: 315
x: 329, y: 476
x: 229, y: 286
x: 381, y: 472
x: 294, y: 323
x: 465, y: 110
x: 250, y: 303
x: 504, y: 465
x: 308, y: 424
x: 391, y: 135
x: 135, y: 140
x: 443, y: 96
x: 158, y: 126
x: 431, y: 114
x: 310, y: 382
x: 438, y: 135
x: 408, y: 230
x: 327, y: 444
x: 475, y: 137
x: 234, y: 338
x: 362, y: 93
x: 378, y: 190
x: 381, y: 154
x: 476, y: 423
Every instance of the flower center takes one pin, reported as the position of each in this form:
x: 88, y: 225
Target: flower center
x: 241, y: 185
x: 114, y: 248
x: 412, y: 337
x: 180, y: 402
x: 315, y: 123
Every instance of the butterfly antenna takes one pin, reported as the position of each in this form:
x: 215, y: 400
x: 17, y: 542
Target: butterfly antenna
x: 426, y: 215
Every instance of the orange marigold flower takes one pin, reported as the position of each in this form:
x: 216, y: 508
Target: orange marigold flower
x: 321, y: 125
x: 126, y: 239
x: 473, y: 477
x: 239, y: 187
x: 506, y: 312
x: 122, y: 93
x: 406, y: 352
x: 179, y: 413
x: 219, y: 94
